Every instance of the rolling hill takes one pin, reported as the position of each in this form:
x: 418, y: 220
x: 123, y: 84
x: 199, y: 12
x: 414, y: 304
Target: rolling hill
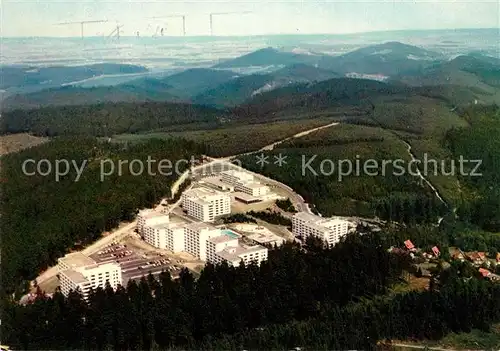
x: 243, y: 88
x: 388, y: 59
x: 478, y: 74
x: 146, y: 90
x: 310, y: 98
x: 177, y: 87
x: 196, y: 80
x: 26, y: 78
x: 268, y: 57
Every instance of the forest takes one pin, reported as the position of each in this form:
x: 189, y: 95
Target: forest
x: 390, y: 197
x: 480, y: 141
x: 315, y: 297
x: 47, y: 217
x: 106, y: 119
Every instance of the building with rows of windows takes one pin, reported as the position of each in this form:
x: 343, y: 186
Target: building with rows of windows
x: 196, y: 236
x: 150, y: 217
x: 206, y: 204
x: 80, y: 272
x: 327, y: 229
x: 244, y: 182
x: 165, y: 236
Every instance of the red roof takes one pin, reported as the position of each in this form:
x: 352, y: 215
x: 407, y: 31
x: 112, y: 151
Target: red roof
x: 484, y: 272
x: 476, y: 256
x: 409, y: 245
x: 435, y: 250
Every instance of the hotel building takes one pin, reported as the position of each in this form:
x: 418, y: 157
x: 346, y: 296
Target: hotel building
x: 80, y: 272
x: 206, y: 204
x: 326, y: 229
x: 165, y: 236
x: 227, y: 247
x: 234, y: 255
x: 150, y: 217
x: 244, y: 182
x: 196, y: 236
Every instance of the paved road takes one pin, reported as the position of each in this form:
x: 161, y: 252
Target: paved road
x: 218, y: 165
x: 98, y: 245
x: 212, y: 166
x: 410, y: 346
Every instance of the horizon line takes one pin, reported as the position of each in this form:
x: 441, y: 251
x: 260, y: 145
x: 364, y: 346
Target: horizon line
x: 258, y: 35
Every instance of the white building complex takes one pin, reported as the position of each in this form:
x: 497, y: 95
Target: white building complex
x: 244, y: 182
x: 326, y: 229
x: 206, y: 204
x: 150, y: 217
x: 226, y: 248
x: 77, y: 271
x: 196, y: 236
x: 165, y: 236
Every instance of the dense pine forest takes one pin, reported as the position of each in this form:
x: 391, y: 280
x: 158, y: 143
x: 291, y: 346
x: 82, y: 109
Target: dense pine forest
x: 480, y: 142
x: 46, y: 216
x: 314, y: 297
x: 106, y: 119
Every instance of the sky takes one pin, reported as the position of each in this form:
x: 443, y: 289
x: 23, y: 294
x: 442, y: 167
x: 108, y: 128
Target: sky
x: 25, y: 18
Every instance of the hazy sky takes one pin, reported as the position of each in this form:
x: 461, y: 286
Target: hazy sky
x: 37, y: 18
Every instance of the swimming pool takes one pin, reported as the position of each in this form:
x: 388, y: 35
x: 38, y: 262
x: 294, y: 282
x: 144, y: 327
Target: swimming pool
x: 230, y: 233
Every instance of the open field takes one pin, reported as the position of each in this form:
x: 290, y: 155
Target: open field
x: 237, y: 139
x: 475, y: 340
x: 16, y: 142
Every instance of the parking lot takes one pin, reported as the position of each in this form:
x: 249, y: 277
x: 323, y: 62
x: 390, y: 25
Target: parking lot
x: 135, y: 264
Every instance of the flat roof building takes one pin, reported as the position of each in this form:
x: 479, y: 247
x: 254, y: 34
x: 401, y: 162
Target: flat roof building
x: 234, y: 255
x: 150, y: 217
x: 80, y: 272
x: 245, y: 198
x: 233, y: 176
x: 206, y: 204
x: 327, y: 229
x: 165, y: 236
x: 196, y: 236
x: 244, y: 182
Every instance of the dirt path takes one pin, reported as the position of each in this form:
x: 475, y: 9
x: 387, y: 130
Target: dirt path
x: 298, y: 135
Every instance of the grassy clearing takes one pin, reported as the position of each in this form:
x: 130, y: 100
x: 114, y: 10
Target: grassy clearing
x: 236, y: 139
x: 16, y: 142
x: 475, y: 340
x: 418, y: 115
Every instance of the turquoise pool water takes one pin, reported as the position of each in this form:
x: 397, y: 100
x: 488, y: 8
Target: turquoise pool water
x: 230, y: 233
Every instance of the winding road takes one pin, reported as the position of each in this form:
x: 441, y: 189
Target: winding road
x: 414, y: 159
x: 126, y: 228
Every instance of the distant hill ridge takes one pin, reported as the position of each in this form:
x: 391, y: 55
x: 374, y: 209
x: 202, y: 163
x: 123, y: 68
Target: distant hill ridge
x: 475, y: 75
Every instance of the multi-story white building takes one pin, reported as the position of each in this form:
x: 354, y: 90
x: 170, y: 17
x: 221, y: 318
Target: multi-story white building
x: 217, y: 244
x: 244, y: 182
x: 227, y: 247
x: 252, y: 188
x: 234, y: 176
x: 327, y: 229
x: 196, y: 236
x: 206, y: 204
x: 165, y: 236
x: 234, y: 255
x: 77, y: 271
x: 176, y: 237
x: 150, y: 217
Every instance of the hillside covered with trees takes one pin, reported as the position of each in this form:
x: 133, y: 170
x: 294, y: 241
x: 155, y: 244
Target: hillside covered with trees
x: 44, y: 217
x: 314, y: 297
